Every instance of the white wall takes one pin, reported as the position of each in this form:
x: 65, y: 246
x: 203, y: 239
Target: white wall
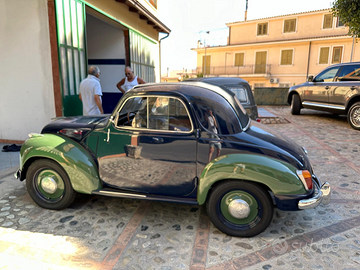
x: 26, y: 86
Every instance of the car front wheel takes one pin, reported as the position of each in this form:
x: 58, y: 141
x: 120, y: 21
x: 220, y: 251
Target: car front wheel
x: 354, y: 116
x: 295, y: 104
x: 240, y: 208
x: 48, y: 185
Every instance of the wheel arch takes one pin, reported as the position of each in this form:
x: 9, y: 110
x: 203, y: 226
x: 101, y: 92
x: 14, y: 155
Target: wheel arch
x: 261, y: 185
x: 70, y: 155
x: 270, y: 174
x: 290, y: 96
x: 351, y: 102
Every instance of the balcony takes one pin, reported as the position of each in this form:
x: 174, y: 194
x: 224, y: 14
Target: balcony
x: 245, y: 71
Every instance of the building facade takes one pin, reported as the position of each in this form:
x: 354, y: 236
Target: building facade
x: 47, y: 46
x: 280, y: 51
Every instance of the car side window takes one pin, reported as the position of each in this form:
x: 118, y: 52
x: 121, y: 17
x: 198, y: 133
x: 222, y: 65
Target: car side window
x: 349, y: 73
x: 156, y: 113
x: 327, y: 75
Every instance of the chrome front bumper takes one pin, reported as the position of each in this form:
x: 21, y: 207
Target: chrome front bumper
x: 321, y: 195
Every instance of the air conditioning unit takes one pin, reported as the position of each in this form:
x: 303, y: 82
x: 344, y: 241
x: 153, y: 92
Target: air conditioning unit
x: 274, y: 80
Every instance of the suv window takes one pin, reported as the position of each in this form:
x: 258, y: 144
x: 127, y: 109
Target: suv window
x: 349, y: 73
x: 156, y: 113
x: 327, y: 75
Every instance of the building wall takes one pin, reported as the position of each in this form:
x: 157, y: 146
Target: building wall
x: 307, y: 25
x: 121, y: 12
x: 305, y: 42
x: 26, y: 86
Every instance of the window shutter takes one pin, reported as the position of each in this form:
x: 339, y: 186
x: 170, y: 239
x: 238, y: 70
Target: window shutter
x: 262, y: 29
x: 337, y: 51
x: 239, y: 59
x: 328, y: 20
x: 286, y: 57
x: 324, y: 55
x: 289, y: 25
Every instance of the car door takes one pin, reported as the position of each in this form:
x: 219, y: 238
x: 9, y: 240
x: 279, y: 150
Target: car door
x: 318, y: 90
x: 150, y: 148
x: 346, y: 82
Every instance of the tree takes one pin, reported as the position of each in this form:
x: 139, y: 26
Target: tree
x: 349, y: 13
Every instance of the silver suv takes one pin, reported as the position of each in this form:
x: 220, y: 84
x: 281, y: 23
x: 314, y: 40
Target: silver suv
x: 336, y: 89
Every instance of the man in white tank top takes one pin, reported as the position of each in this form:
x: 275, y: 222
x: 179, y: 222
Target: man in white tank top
x: 129, y: 81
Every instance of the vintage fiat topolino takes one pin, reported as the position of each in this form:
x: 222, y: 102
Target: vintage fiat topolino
x: 187, y: 143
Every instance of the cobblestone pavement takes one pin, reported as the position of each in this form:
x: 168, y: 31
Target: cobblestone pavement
x: 112, y: 233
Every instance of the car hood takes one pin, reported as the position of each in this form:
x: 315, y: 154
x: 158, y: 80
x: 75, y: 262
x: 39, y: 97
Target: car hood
x: 276, y: 145
x: 75, y: 122
x: 298, y: 86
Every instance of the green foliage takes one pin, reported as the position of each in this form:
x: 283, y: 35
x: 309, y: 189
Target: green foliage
x: 185, y: 77
x: 349, y: 13
x: 199, y: 75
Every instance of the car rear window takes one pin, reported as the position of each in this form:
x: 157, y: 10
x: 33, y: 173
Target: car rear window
x: 211, y: 103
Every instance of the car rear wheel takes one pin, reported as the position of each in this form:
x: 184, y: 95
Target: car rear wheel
x: 240, y: 208
x: 295, y: 104
x: 354, y: 116
x: 48, y: 185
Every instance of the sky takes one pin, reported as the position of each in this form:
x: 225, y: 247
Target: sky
x: 189, y: 20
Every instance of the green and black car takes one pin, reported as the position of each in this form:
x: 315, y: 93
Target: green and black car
x: 189, y: 142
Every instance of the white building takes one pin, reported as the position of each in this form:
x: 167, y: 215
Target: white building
x: 47, y: 45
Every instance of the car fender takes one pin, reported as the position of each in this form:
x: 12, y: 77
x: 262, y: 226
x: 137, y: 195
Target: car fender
x: 73, y: 158
x: 280, y: 177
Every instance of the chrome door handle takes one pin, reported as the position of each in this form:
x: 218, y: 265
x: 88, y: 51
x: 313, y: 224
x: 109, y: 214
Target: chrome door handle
x: 327, y: 87
x: 352, y: 87
x: 108, y: 135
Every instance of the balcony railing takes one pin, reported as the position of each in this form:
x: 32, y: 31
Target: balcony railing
x: 238, y: 71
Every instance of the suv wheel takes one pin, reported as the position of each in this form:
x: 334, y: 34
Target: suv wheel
x: 295, y: 105
x: 353, y: 116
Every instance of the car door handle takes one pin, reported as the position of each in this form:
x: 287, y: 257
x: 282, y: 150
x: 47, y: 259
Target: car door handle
x: 327, y: 87
x: 352, y: 87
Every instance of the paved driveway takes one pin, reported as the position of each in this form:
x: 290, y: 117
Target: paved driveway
x: 112, y: 233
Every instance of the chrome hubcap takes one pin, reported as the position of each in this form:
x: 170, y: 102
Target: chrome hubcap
x: 355, y: 116
x: 49, y: 185
x: 239, y: 208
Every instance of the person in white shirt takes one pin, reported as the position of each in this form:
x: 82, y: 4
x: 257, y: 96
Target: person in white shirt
x: 129, y: 81
x: 90, y: 93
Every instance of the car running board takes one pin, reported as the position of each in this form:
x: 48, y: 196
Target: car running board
x: 121, y: 194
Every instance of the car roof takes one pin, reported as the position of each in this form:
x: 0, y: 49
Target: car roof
x: 345, y: 64
x: 180, y: 88
x: 218, y: 80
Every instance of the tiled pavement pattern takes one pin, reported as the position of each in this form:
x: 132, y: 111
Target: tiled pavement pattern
x: 111, y: 233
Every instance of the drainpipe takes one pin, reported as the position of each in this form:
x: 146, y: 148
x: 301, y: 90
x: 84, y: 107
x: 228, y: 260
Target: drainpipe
x: 160, y: 52
x: 308, y: 64
x: 352, y: 49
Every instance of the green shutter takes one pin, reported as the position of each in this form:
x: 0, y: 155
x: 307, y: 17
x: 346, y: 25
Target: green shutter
x: 324, y: 55
x: 70, y: 17
x: 143, y: 55
x: 239, y: 59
